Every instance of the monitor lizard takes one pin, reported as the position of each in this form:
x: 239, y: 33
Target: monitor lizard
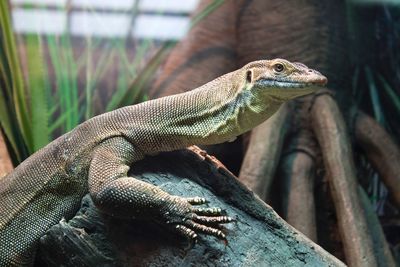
x: 96, y: 156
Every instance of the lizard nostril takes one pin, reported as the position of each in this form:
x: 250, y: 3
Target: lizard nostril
x: 310, y: 70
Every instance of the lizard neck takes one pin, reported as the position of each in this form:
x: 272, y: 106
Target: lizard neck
x: 219, y: 111
x: 213, y: 113
x: 240, y: 113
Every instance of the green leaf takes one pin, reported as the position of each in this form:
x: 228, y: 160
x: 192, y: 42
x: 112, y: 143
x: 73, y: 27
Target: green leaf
x: 63, y: 93
x: 392, y: 95
x: 142, y: 81
x: 354, y: 81
x: 72, y: 78
x: 205, y: 12
x: 18, y: 92
x: 66, y: 75
x: 57, y: 67
x: 4, y: 71
x: 6, y: 125
x: 89, y: 79
x: 376, y: 103
x: 37, y: 86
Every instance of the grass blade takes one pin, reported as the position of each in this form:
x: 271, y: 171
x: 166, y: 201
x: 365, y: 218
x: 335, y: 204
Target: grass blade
x: 88, y: 86
x: 141, y: 82
x: 37, y: 87
x: 205, y: 12
x: 4, y: 71
x: 18, y: 92
x: 6, y: 125
x: 392, y: 95
x: 376, y: 104
x: 72, y: 79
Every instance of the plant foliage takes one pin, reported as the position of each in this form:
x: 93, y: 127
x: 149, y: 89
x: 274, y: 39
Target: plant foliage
x: 57, y: 86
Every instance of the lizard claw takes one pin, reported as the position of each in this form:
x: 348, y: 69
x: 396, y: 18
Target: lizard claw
x: 187, y: 220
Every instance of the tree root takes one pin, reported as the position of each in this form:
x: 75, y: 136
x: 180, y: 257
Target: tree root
x: 362, y: 237
x: 331, y: 133
x: 259, y: 165
x: 381, y: 248
x: 381, y: 151
x: 297, y: 170
x: 212, y: 48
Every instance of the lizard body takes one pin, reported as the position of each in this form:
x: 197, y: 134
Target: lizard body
x: 95, y: 156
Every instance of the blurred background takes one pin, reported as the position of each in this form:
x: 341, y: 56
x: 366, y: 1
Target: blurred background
x: 78, y: 58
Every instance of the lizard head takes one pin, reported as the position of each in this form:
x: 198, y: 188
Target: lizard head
x: 281, y: 80
x: 242, y: 99
x: 260, y: 88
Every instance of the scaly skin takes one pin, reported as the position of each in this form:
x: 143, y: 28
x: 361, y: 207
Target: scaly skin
x: 95, y: 157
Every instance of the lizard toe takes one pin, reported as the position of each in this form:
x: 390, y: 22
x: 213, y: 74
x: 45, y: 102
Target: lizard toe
x: 213, y: 220
x: 207, y: 211
x: 196, y: 200
x: 188, y: 219
x: 187, y: 233
x: 205, y: 229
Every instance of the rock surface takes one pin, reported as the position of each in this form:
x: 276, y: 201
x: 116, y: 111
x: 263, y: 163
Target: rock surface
x: 259, y: 237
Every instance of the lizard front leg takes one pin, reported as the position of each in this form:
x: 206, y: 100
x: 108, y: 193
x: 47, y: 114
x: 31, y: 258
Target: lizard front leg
x: 116, y: 194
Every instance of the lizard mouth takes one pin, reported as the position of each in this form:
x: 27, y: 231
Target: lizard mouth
x: 292, y: 84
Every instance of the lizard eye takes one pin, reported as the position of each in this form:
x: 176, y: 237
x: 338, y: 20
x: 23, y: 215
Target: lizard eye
x: 279, y: 67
